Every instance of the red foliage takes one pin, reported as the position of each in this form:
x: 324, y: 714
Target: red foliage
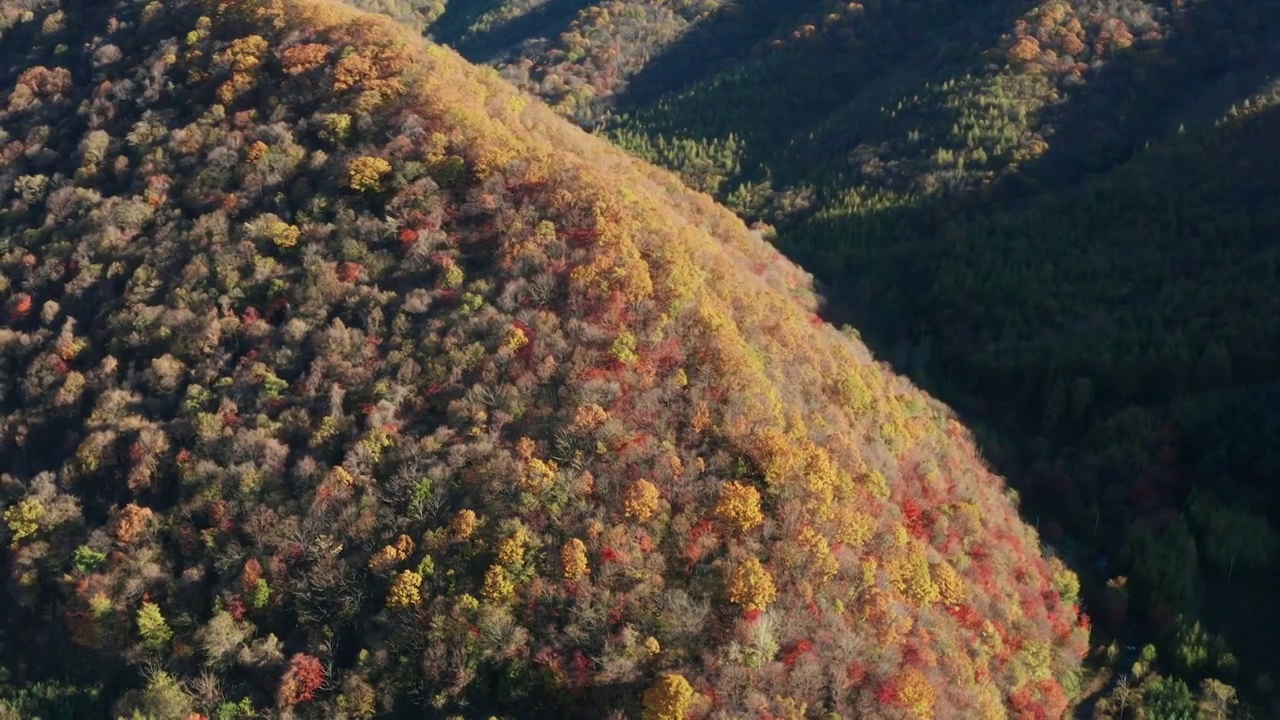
x: 888, y: 692
x: 1044, y: 700
x: 301, y: 681
x: 795, y: 651
x: 250, y: 575
x: 581, y: 668
x: 236, y: 607
x: 350, y: 271
x: 914, y: 516
x: 20, y: 306
x: 219, y: 517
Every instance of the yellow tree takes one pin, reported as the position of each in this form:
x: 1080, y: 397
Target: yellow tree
x: 739, y: 506
x: 573, y: 558
x: 641, y: 500
x: 751, y: 586
x: 669, y: 698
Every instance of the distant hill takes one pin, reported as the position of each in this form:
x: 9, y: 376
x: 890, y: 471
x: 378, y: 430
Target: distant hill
x: 339, y: 380
x: 1058, y: 216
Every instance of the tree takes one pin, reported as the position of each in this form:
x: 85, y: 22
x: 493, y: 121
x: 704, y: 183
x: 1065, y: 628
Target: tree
x: 573, y: 559
x: 301, y: 681
x: 153, y: 628
x: 365, y: 173
x: 406, y: 591
x: 1024, y: 50
x: 669, y: 698
x: 641, y: 500
x: 751, y: 586
x: 24, y: 518
x: 739, y: 506
x: 1218, y: 699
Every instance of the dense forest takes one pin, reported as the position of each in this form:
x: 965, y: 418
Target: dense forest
x: 1059, y: 217
x: 340, y: 380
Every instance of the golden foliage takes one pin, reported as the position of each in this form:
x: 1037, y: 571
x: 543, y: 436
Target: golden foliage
x: 131, y: 522
x: 365, y: 173
x: 341, y: 476
x: 536, y: 475
x: 498, y: 588
x: 24, y: 518
x: 391, y: 555
x: 283, y: 234
x: 511, y: 549
x: 384, y: 559
x: 909, y: 573
x: 245, y: 54
x: 853, y: 528
x: 515, y: 339
x: 669, y: 698
x: 701, y: 420
x: 916, y: 694
x: 304, y: 58
x: 589, y: 417
x: 464, y: 523
x: 818, y: 552
x: 739, y: 506
x: 352, y: 70
x: 652, y: 646
x: 751, y: 586
x: 243, y: 58
x: 641, y: 500
x: 949, y: 583
x: 1024, y: 50
x: 573, y: 558
x: 406, y: 591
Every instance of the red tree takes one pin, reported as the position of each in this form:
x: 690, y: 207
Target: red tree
x: 301, y: 681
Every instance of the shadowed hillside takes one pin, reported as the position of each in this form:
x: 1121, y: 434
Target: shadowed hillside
x: 341, y: 380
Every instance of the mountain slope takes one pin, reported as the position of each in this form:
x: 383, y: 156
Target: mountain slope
x: 340, y: 379
x: 1054, y: 215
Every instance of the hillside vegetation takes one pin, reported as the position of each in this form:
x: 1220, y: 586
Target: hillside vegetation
x: 1058, y: 216
x: 338, y: 379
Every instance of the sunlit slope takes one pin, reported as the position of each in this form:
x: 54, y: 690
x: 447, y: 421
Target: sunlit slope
x: 341, y: 378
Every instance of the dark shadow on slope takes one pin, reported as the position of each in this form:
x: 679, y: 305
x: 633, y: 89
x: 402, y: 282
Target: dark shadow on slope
x: 457, y: 19
x: 545, y: 22
x: 778, y: 100
x: 718, y: 42
x: 904, y: 299
x: 1218, y: 55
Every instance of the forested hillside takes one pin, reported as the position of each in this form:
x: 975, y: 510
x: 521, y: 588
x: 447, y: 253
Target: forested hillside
x: 339, y: 380
x: 1058, y: 216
